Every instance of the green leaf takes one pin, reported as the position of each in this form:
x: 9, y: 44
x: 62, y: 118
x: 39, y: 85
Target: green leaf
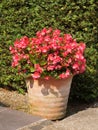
x: 32, y: 69
x: 43, y: 63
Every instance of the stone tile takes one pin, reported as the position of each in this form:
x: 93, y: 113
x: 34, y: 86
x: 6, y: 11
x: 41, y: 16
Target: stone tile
x: 13, y: 120
x: 83, y: 120
x: 38, y: 125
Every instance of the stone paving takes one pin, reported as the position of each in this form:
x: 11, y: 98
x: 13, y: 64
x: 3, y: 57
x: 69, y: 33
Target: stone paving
x: 17, y: 120
x: 83, y: 120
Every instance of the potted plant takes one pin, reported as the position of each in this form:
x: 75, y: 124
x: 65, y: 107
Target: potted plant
x: 49, y: 60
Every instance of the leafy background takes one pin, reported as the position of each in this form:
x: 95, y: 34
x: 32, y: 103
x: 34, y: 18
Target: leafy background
x: 78, y: 17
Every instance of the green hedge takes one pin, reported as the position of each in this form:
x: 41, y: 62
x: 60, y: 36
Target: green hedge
x: 78, y: 17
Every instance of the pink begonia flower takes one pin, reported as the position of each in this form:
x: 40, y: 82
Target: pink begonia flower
x: 60, y: 51
x: 49, y: 30
x: 50, y: 67
x: 82, y: 69
x: 81, y: 47
x: 79, y: 56
x: 44, y: 49
x: 36, y: 75
x: 65, y: 53
x: 15, y: 63
x: 41, y: 39
x: 69, y: 61
x: 22, y: 43
x: 57, y: 59
x: 65, y: 75
x: 60, y: 39
x: 16, y: 57
x: 75, y: 66
x: 29, y: 62
x: 68, y: 48
x: 38, y: 34
x: 74, y: 44
x: 38, y: 68
x: 68, y: 38
x: 46, y: 38
x: 16, y: 44
x: 47, y: 77
x: 43, y: 32
x: 58, y: 67
x: 62, y: 76
x: 50, y: 57
x: 38, y: 50
x: 56, y: 32
x: 54, y: 59
x: 33, y: 40
x: 12, y: 50
x: 54, y: 46
x: 26, y: 56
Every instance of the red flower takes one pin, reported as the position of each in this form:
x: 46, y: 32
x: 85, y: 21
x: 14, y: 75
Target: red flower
x: 56, y: 32
x: 35, y: 75
x: 50, y: 53
x: 38, y: 68
x: 65, y: 75
x: 50, y: 67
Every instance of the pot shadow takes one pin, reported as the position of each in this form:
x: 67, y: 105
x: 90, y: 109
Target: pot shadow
x: 52, y: 86
x: 46, y: 88
x: 57, y: 87
x: 45, y: 91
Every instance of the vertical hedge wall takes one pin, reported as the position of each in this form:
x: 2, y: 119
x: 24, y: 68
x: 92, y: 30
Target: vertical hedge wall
x: 78, y: 17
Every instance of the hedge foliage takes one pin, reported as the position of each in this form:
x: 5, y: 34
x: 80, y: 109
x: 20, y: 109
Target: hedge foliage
x: 78, y: 17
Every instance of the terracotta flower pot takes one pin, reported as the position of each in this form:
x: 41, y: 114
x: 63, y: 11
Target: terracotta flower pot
x: 48, y: 98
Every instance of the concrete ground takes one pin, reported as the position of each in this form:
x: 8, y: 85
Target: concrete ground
x: 16, y: 120
x: 84, y: 120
